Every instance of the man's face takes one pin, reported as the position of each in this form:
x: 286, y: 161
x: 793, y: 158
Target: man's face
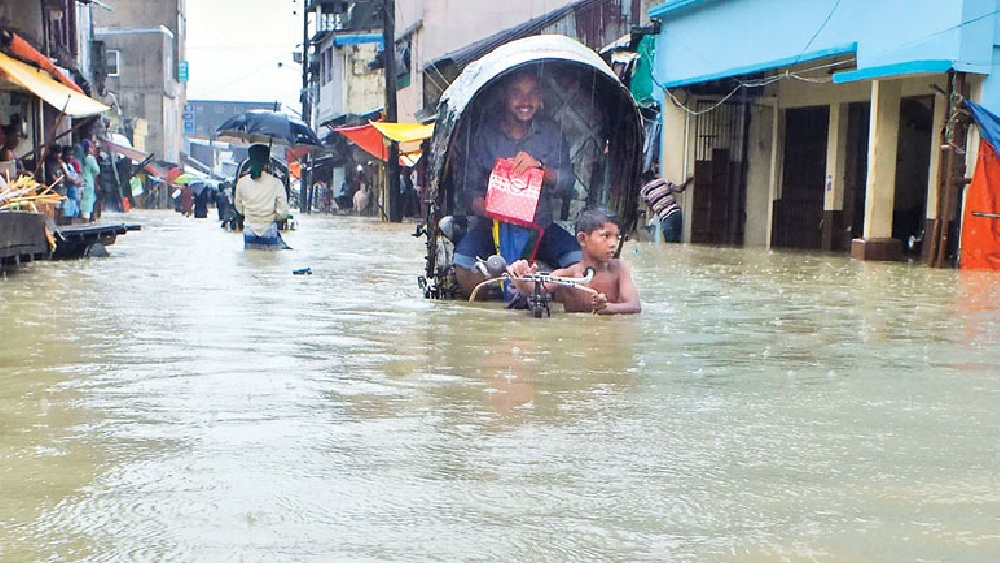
x: 10, y: 139
x: 523, y: 98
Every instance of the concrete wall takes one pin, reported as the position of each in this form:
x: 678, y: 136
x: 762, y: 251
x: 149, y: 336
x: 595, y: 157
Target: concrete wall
x: 723, y: 38
x: 24, y: 17
x: 353, y: 87
x: 442, y: 29
x: 365, y: 88
x: 143, y: 87
x: 149, y: 13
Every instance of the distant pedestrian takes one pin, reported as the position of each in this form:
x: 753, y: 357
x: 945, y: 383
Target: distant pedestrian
x: 659, y: 196
x: 361, y: 199
x: 186, y: 200
x: 201, y: 203
x: 90, y: 173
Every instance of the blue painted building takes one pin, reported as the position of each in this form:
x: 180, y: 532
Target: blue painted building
x: 817, y: 123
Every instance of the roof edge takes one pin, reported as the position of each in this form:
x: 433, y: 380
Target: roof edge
x: 846, y: 49
x: 671, y: 6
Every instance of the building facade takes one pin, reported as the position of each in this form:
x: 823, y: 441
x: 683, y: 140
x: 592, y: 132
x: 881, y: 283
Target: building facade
x: 54, y: 37
x: 144, y: 45
x: 807, y: 125
x: 441, y: 40
x: 140, y: 72
x: 344, y: 77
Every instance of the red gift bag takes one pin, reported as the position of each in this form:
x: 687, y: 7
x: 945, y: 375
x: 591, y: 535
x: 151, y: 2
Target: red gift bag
x: 513, y: 198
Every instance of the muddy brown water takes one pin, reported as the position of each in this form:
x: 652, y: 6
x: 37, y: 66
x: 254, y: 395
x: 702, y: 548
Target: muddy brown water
x: 184, y: 400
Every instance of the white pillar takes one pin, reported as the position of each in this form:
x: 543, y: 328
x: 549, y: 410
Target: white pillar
x: 777, y: 166
x: 836, y: 158
x: 882, y: 143
x: 759, y: 155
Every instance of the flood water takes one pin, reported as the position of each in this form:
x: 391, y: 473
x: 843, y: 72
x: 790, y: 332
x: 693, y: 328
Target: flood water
x: 184, y: 400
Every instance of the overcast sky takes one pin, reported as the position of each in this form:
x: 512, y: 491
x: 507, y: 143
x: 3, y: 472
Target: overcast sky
x: 234, y: 48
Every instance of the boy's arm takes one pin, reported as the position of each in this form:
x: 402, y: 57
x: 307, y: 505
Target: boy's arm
x: 628, y: 295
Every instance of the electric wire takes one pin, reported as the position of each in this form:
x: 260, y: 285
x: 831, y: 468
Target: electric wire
x: 820, y: 30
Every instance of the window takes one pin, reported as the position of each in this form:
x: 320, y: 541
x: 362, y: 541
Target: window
x: 112, y: 62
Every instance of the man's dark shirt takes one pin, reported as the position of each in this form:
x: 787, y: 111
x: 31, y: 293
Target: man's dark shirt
x: 544, y: 141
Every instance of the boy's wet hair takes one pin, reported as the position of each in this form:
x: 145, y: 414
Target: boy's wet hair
x: 592, y: 219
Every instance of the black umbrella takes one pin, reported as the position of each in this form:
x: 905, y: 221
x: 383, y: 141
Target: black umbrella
x: 267, y: 127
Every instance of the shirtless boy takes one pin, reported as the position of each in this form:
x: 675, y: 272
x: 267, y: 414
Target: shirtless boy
x: 598, y: 232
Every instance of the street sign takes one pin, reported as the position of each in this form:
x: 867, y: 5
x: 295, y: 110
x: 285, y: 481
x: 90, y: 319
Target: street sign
x: 189, y: 127
x: 182, y: 74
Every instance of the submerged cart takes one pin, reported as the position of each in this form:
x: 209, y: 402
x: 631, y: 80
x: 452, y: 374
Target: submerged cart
x: 581, y: 94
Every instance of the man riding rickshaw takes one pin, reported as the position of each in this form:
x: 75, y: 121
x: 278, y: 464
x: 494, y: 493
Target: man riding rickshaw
x: 526, y: 138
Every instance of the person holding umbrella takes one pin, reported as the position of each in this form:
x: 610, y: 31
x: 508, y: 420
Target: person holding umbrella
x: 260, y: 198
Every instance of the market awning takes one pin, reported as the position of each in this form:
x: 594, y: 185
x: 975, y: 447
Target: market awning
x: 371, y: 139
x: 42, y: 85
x: 133, y: 153
x: 26, y: 52
x: 405, y: 132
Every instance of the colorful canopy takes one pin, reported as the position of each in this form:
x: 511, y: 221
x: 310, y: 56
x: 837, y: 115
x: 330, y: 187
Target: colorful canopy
x: 405, y: 132
x: 372, y: 138
x: 40, y: 83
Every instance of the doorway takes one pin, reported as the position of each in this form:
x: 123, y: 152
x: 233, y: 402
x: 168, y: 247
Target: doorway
x: 718, y: 204
x: 856, y: 171
x: 913, y: 160
x: 798, y: 214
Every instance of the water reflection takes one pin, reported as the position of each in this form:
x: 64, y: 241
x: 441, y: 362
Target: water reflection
x: 185, y: 400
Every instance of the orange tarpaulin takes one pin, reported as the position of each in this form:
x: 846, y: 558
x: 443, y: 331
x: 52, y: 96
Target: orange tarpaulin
x: 366, y: 137
x: 24, y: 51
x: 981, y: 222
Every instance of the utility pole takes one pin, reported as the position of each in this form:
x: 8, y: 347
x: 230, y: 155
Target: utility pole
x: 393, y: 198
x: 306, y: 176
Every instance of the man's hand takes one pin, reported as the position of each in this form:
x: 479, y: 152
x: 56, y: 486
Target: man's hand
x: 524, y: 162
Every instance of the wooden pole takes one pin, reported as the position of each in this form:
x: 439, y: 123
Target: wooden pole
x: 393, y: 201
x: 305, y: 176
x: 957, y: 143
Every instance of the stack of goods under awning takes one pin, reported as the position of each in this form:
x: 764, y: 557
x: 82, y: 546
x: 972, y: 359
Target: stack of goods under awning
x: 26, y: 194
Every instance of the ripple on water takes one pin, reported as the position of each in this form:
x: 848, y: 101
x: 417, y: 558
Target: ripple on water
x: 188, y: 401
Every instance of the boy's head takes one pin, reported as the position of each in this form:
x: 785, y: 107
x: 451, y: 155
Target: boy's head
x: 599, y: 233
